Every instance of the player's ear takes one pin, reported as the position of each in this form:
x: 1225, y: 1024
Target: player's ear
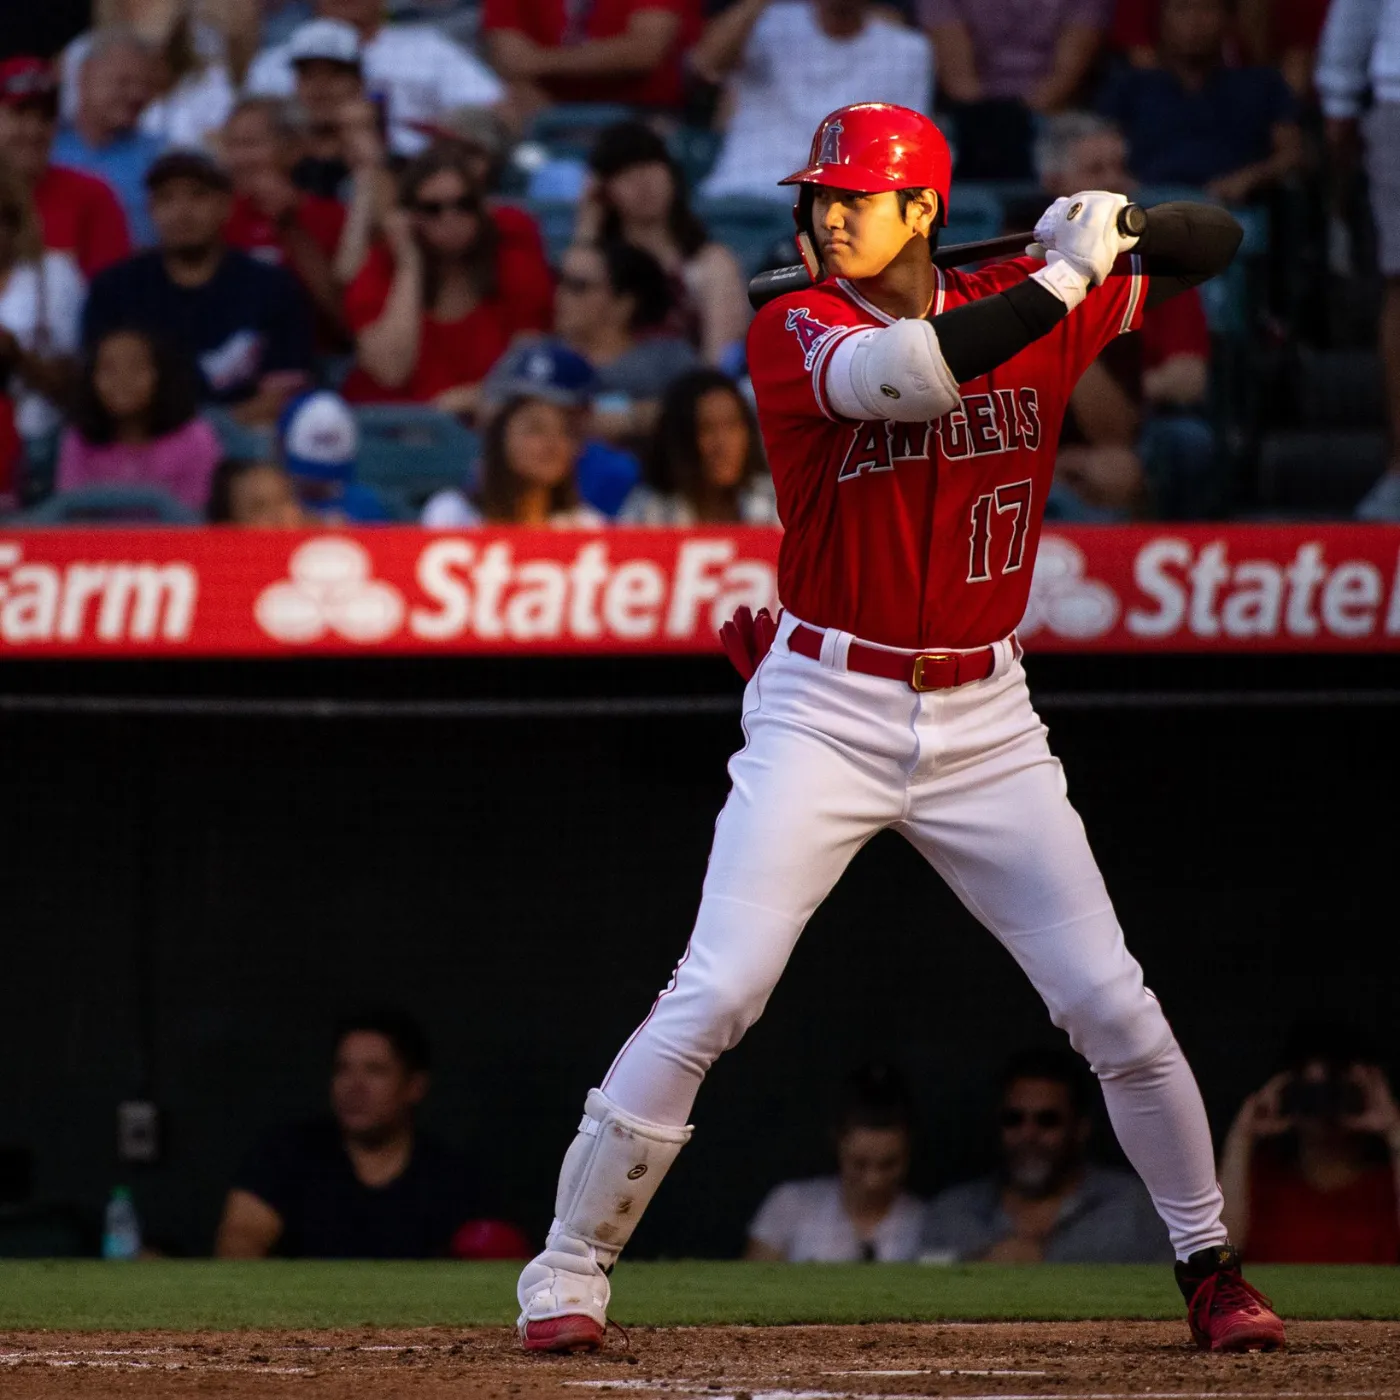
x: 921, y: 213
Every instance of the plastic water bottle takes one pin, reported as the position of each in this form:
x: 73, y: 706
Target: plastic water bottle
x: 121, y: 1230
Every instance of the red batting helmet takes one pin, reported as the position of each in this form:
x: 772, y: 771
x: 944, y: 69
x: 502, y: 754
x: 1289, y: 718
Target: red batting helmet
x: 874, y: 146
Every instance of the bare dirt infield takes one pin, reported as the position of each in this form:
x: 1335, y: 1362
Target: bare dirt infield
x: 1069, y: 1360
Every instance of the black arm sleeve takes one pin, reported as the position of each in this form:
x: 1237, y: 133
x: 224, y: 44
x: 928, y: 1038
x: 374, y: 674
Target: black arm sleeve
x: 978, y: 337
x: 1185, y: 245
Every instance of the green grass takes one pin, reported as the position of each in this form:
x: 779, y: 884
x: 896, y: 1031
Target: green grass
x: 190, y: 1295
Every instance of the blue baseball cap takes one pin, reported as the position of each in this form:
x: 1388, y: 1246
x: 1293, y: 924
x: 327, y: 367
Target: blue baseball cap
x: 319, y: 436
x: 543, y: 369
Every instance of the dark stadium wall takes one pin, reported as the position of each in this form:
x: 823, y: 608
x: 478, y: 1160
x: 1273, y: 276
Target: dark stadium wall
x: 190, y: 900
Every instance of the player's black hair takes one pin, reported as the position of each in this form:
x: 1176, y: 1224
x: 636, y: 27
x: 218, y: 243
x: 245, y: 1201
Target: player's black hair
x: 408, y: 1039
x: 875, y: 1095
x: 634, y: 273
x: 1056, y: 1065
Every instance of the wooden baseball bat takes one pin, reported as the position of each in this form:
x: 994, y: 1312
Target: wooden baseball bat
x: 780, y: 280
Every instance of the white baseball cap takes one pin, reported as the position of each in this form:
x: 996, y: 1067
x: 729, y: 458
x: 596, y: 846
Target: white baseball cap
x: 320, y: 437
x: 331, y: 40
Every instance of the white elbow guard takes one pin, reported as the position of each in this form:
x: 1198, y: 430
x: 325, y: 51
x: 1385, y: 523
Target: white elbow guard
x: 895, y: 372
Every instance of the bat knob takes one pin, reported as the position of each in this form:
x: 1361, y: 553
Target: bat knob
x: 1132, y: 221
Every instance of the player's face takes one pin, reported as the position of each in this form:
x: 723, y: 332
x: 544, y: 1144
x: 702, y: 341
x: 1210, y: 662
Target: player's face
x: 860, y: 235
x: 721, y: 438
x: 444, y: 213
x: 539, y: 444
x: 874, y: 1164
x: 124, y: 375
x: 372, y: 1092
x: 1041, y: 1136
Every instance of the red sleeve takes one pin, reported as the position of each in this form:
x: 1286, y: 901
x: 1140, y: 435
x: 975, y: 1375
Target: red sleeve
x: 526, y: 281
x: 103, y: 238
x: 503, y: 14
x: 366, y: 295
x: 1106, y: 313
x: 789, y: 348
x: 1177, y: 327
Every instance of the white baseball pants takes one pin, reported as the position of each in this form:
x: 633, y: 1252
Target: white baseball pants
x: 966, y: 775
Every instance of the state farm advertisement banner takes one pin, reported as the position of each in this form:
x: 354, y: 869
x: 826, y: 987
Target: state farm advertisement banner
x: 117, y: 592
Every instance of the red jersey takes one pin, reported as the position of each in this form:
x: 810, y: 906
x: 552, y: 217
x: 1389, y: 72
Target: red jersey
x: 1291, y: 1222
x: 919, y: 535
x: 252, y: 231
x: 81, y: 215
x: 451, y: 353
x: 555, y: 23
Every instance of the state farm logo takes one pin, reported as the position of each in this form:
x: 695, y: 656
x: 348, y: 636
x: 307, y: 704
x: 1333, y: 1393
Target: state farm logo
x: 330, y: 591
x: 1063, y: 600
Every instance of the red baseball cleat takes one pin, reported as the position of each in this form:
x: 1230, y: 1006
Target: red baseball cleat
x: 571, y: 1333
x: 1225, y: 1312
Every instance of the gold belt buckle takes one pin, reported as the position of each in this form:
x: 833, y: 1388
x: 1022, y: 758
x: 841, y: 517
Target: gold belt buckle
x: 921, y: 661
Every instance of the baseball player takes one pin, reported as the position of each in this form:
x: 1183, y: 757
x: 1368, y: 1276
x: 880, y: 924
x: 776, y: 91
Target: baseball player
x: 911, y: 417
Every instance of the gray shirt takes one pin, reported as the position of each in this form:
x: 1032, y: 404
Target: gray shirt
x: 1108, y: 1220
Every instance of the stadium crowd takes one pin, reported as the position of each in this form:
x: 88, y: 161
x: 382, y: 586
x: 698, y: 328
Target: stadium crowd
x: 256, y: 254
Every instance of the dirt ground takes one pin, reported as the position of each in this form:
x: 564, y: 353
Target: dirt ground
x: 996, y: 1361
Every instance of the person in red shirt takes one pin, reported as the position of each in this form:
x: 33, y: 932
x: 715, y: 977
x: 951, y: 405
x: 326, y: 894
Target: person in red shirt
x: 911, y: 417
x: 1311, y: 1165
x: 79, y: 212
x: 626, y: 51
x: 437, y: 303
x: 274, y: 220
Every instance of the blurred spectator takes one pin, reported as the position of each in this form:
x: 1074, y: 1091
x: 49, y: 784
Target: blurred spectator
x: 275, y: 221
x: 639, y: 195
x: 192, y: 89
x: 1045, y: 1203
x: 789, y: 63
x: 437, y: 307
x: 863, y: 1212
x: 625, y: 51
x: 1281, y: 33
x: 136, y: 422
x: 328, y: 78
x: 1311, y: 1165
x: 104, y: 138
x: 612, y: 305
x: 1001, y: 65
x: 1361, y: 54
x: 1193, y: 121
x: 1135, y: 440
x: 41, y: 301
x: 417, y: 71
x: 245, y: 325
x: 256, y: 494
x: 526, y: 474
x: 549, y: 370
x: 483, y: 136
x: 78, y: 213
x: 319, y: 443
x: 365, y: 1184
x: 706, y: 461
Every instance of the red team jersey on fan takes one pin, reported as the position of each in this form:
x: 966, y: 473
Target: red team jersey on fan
x: 919, y: 535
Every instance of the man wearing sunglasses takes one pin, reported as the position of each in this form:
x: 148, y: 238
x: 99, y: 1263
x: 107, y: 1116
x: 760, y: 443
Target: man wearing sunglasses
x: 1045, y: 1203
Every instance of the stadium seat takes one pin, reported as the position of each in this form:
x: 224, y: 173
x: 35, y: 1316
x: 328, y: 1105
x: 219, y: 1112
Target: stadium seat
x: 410, y: 451
x: 556, y: 218
x: 750, y: 227
x: 110, y: 505
x: 1324, y: 474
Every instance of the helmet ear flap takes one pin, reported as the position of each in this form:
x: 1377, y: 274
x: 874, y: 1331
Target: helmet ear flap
x: 806, y: 236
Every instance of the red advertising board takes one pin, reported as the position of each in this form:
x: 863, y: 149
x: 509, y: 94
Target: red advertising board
x: 220, y: 592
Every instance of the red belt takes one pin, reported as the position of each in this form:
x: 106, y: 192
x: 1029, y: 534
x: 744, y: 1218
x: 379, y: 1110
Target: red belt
x: 930, y: 670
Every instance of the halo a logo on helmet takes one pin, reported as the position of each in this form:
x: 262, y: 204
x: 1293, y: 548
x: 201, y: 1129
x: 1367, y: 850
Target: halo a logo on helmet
x: 830, y: 153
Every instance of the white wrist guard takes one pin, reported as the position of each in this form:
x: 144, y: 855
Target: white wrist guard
x: 893, y: 372
x: 1062, y: 279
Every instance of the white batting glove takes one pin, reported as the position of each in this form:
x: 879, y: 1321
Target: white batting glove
x: 1083, y: 229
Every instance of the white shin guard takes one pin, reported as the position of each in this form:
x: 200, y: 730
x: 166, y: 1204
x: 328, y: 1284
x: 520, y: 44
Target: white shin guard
x: 610, y: 1173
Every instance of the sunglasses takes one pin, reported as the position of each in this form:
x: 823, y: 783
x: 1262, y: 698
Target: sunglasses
x: 577, y: 285
x: 1042, y: 1118
x: 436, y: 208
